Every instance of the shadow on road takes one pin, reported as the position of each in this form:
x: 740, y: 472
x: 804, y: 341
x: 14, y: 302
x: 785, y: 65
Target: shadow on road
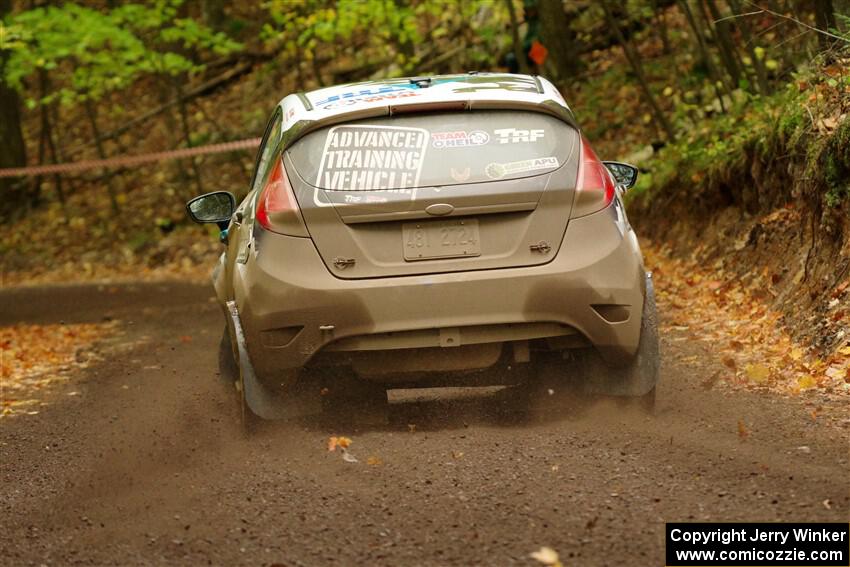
x: 446, y: 409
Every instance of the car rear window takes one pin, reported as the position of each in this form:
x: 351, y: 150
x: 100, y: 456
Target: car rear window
x: 426, y: 150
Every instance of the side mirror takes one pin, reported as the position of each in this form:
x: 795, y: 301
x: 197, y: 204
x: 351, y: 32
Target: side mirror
x: 624, y: 174
x: 214, y: 207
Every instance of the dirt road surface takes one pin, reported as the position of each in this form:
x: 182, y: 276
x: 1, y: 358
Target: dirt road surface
x: 147, y: 465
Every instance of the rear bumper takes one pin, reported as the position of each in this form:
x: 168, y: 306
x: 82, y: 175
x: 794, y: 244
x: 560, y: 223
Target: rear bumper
x: 292, y: 306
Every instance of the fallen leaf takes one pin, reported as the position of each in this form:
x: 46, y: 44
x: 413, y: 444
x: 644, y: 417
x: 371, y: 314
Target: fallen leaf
x: 547, y: 556
x: 709, y: 382
x: 757, y: 372
x: 729, y: 362
x: 341, y: 442
x: 743, y: 432
x: 806, y: 382
x: 373, y: 461
x: 348, y: 457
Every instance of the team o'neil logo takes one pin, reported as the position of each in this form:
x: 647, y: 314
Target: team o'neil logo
x: 459, y: 139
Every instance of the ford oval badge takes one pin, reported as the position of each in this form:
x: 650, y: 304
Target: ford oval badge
x: 439, y: 209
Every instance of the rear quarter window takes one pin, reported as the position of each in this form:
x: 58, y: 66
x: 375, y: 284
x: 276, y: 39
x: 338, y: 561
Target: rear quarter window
x: 429, y: 150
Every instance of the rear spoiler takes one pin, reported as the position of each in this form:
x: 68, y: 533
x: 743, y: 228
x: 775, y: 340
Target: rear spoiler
x: 550, y: 107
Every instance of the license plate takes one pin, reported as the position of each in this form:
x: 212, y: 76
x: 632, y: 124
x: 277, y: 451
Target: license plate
x: 441, y: 239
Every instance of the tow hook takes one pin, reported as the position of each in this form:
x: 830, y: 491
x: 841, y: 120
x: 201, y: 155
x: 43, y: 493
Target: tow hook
x: 343, y: 263
x: 542, y: 247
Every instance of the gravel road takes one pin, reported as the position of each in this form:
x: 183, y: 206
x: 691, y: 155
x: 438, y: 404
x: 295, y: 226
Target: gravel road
x: 148, y: 465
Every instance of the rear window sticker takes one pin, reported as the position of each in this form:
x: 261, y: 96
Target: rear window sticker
x: 460, y: 176
x: 372, y: 158
x: 518, y: 135
x: 499, y: 170
x: 459, y: 139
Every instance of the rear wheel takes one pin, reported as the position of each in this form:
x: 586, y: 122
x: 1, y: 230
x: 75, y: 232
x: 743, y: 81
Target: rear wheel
x: 636, y: 380
x: 639, y: 378
x: 227, y: 367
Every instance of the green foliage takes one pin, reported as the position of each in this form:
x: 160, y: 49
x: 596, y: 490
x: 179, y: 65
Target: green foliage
x: 89, y: 53
x: 722, y: 147
x: 163, y: 31
x: 837, y: 165
x: 85, y: 46
x: 396, y: 35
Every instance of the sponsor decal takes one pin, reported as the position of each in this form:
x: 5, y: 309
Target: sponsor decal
x: 499, y: 170
x: 459, y: 139
x: 359, y: 94
x: 460, y: 176
x: 341, y: 101
x: 372, y: 158
x: 518, y: 135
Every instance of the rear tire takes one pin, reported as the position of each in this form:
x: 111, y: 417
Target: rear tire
x: 639, y: 377
x: 228, y: 370
x: 636, y: 380
x: 647, y: 402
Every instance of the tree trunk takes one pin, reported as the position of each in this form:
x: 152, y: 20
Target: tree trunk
x: 704, y: 53
x: 725, y: 43
x: 187, y: 133
x: 101, y: 152
x: 825, y: 20
x: 213, y: 14
x: 13, y: 191
x: 747, y: 38
x: 663, y: 32
x: 634, y: 61
x: 519, y: 54
x: 59, y: 154
x: 47, y: 139
x: 558, y: 38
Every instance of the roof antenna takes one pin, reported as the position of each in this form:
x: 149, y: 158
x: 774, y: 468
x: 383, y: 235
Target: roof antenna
x: 421, y: 82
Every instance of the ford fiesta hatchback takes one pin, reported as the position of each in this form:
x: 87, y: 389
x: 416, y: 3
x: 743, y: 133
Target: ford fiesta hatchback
x: 445, y: 230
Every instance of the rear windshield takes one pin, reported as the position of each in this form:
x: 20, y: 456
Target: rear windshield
x: 424, y: 150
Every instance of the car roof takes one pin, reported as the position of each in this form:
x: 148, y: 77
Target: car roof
x: 305, y: 112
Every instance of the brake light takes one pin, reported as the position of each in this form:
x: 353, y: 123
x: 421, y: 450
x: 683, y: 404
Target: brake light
x: 277, y: 209
x: 595, y: 187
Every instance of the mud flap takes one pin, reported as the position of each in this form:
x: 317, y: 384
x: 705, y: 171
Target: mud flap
x: 260, y: 399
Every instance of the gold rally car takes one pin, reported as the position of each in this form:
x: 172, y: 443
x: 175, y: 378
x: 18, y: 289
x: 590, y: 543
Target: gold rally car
x: 444, y: 230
